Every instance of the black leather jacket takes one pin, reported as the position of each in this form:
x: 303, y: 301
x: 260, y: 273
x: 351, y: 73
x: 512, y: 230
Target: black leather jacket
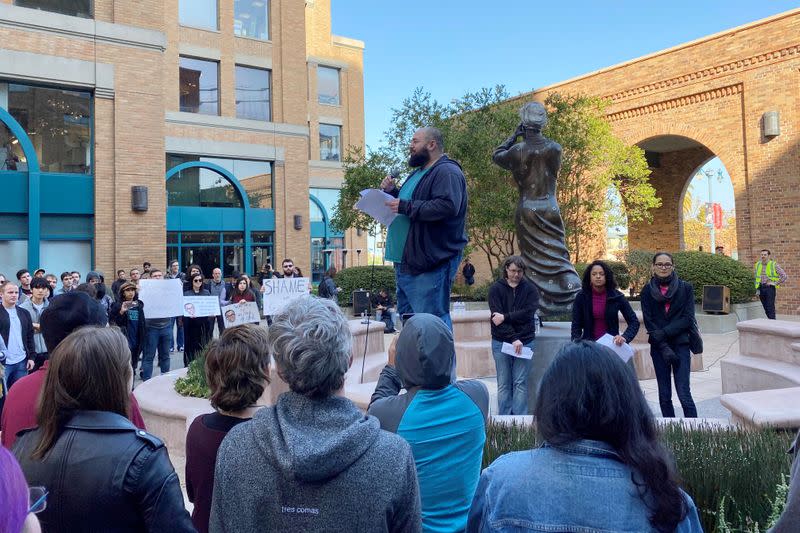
x: 104, y: 474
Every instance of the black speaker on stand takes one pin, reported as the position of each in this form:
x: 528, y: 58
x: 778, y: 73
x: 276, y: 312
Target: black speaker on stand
x: 361, y: 302
x: 716, y: 299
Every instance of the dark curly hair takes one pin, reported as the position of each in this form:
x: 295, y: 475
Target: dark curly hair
x: 237, y: 367
x: 611, y: 283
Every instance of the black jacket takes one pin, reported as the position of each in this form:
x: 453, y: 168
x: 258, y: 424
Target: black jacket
x: 518, y: 305
x: 438, y: 210
x: 104, y: 474
x: 675, y: 324
x: 121, y: 321
x: 583, y: 316
x: 27, y: 329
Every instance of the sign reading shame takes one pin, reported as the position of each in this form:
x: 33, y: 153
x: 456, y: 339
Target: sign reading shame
x: 162, y: 298
x: 197, y: 306
x: 278, y: 292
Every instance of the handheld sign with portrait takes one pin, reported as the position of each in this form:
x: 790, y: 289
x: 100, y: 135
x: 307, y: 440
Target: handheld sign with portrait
x: 197, y: 306
x: 163, y: 298
x: 278, y: 292
x: 240, y: 313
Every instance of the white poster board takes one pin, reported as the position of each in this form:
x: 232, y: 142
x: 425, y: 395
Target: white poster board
x: 241, y: 313
x: 197, y: 306
x: 280, y: 291
x: 163, y: 298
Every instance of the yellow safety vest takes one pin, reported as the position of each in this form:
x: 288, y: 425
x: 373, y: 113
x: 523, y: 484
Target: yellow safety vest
x: 771, y: 274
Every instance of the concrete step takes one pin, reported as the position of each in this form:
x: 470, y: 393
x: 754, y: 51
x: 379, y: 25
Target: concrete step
x: 777, y: 408
x: 770, y: 339
x: 474, y: 359
x: 745, y: 373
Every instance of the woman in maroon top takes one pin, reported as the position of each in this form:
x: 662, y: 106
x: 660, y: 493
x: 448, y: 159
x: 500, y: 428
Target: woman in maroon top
x: 237, y: 371
x: 596, y: 309
x: 241, y: 291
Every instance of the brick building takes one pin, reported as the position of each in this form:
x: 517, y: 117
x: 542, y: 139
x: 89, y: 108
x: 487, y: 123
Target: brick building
x: 230, y: 115
x: 735, y: 95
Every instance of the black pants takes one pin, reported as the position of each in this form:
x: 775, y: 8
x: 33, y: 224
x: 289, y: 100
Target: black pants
x: 680, y: 370
x: 766, y: 294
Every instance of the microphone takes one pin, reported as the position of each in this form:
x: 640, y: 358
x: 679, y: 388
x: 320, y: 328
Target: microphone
x: 395, y: 175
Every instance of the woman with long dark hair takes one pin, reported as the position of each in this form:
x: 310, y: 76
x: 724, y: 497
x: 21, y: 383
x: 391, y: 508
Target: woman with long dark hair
x: 127, y: 312
x: 197, y: 331
x: 668, y: 312
x: 601, y: 467
x: 597, y: 306
x: 86, y: 451
x: 241, y: 291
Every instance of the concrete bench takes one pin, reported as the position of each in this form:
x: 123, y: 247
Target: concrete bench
x: 777, y: 408
x: 472, y: 333
x: 770, y: 339
x: 745, y: 373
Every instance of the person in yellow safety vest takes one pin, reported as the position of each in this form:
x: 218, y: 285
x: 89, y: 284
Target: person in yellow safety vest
x: 768, y: 276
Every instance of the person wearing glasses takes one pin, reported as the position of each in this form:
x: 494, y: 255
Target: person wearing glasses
x: 102, y: 472
x: 197, y: 331
x: 668, y: 311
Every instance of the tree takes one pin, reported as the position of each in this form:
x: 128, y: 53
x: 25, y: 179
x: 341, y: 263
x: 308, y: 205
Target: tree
x: 472, y: 127
x: 594, y: 160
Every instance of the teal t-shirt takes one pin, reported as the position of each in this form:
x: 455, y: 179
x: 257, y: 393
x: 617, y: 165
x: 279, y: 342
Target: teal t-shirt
x: 398, y: 229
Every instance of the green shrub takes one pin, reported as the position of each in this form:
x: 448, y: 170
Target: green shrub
x: 701, y: 268
x: 620, y: 270
x: 194, y: 383
x: 640, y: 269
x: 471, y: 293
x: 354, y: 278
x: 728, y: 469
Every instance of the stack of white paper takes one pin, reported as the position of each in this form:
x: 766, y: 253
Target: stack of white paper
x: 373, y: 203
x: 625, y: 352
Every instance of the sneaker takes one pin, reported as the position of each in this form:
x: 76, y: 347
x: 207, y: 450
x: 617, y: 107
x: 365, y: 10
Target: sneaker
x: 180, y: 348
x: 171, y: 350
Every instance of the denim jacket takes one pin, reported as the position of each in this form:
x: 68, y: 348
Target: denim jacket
x: 578, y: 488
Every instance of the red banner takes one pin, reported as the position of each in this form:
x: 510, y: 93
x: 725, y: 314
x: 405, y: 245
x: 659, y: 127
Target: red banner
x: 717, y: 216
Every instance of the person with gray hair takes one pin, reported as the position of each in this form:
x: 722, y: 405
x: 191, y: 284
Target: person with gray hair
x: 313, y: 461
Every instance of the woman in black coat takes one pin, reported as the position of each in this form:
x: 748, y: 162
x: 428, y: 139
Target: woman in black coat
x: 597, y: 307
x: 668, y: 311
x: 127, y: 312
x: 197, y: 331
x: 102, y: 472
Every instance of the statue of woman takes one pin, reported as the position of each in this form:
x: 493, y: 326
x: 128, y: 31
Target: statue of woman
x: 535, y: 162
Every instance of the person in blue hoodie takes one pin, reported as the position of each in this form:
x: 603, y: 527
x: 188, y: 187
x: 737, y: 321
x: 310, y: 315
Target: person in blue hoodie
x: 444, y: 422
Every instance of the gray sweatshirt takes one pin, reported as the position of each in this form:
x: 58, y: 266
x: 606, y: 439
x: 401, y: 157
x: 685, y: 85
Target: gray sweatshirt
x: 314, y: 465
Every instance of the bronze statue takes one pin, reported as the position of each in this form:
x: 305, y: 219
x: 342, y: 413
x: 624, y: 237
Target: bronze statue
x: 535, y: 162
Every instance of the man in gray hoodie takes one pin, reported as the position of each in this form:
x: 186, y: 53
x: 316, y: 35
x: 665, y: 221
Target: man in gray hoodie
x: 313, y: 462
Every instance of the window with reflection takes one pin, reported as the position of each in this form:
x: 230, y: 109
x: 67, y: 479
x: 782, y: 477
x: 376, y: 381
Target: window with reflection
x: 328, y: 85
x: 251, y: 19
x: 58, y: 123
x: 200, y: 187
x: 199, y: 86
x: 75, y: 8
x: 254, y: 176
x: 327, y: 197
x: 198, y: 14
x: 330, y: 142
x: 252, y: 93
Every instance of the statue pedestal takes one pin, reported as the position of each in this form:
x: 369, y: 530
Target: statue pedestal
x: 551, y: 337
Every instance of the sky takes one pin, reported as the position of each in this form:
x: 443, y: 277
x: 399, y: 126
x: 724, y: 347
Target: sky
x: 451, y: 47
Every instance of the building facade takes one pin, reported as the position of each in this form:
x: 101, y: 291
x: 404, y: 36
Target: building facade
x: 207, y: 131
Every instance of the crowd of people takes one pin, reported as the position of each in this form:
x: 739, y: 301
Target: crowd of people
x: 313, y: 461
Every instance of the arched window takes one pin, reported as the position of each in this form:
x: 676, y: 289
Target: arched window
x: 201, y: 187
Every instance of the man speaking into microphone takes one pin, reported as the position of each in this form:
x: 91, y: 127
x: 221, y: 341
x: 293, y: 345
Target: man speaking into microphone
x: 427, y: 238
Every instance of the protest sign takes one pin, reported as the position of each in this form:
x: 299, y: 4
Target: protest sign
x: 162, y: 298
x: 240, y: 313
x: 278, y: 292
x: 196, y: 306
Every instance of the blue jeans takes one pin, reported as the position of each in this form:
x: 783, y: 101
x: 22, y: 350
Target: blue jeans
x: 681, y: 372
x: 428, y: 292
x: 157, y: 338
x: 179, y: 335
x: 15, y: 372
x: 512, y: 380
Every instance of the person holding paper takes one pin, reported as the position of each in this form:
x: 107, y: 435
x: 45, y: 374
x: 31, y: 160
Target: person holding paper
x: 196, y: 330
x: 427, y: 238
x: 596, y: 309
x: 513, y: 301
